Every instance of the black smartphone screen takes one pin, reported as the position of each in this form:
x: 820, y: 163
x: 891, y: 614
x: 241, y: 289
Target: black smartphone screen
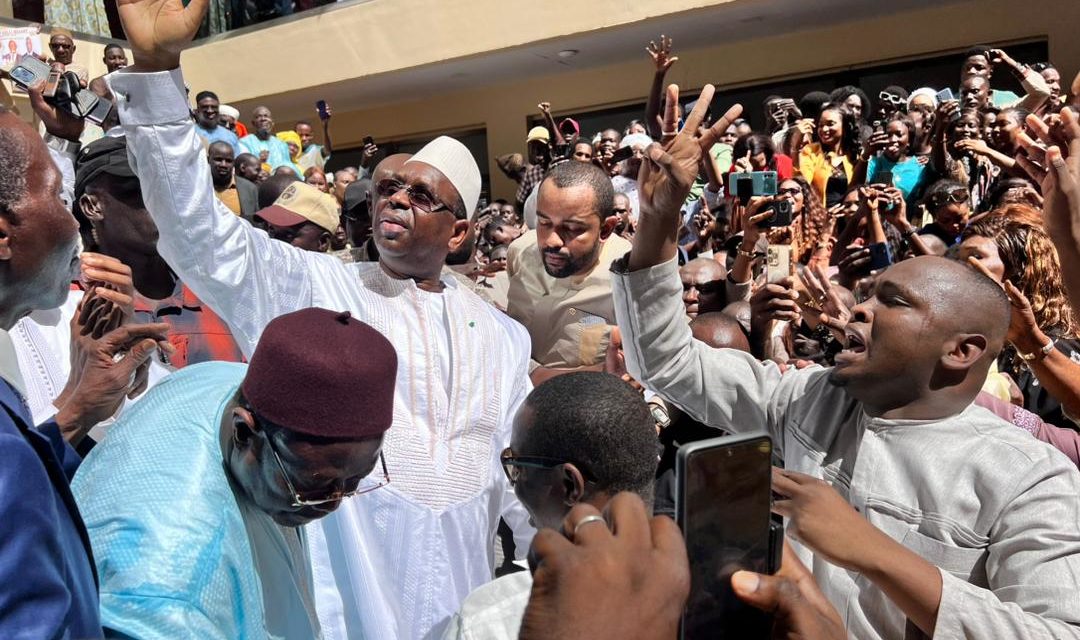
x: 744, y: 189
x: 723, y: 504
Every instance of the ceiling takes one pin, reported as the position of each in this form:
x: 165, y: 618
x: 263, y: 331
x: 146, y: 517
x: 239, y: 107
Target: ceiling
x: 729, y: 22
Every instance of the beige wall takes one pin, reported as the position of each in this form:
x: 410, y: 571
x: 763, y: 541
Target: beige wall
x: 503, y: 109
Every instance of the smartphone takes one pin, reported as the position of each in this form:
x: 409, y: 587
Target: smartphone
x: 624, y: 153
x: 762, y: 183
x: 85, y: 102
x: 744, y: 188
x: 51, y: 83
x: 100, y: 111
x: 880, y: 256
x: 722, y: 503
x: 782, y: 214
x: 885, y: 178
x: 28, y: 71
x: 778, y: 262
x: 320, y: 106
x: 945, y: 95
x: 368, y: 140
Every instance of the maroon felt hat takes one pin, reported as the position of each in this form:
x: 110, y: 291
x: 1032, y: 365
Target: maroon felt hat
x: 323, y: 373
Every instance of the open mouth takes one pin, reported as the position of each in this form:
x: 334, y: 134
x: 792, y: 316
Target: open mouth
x: 855, y: 342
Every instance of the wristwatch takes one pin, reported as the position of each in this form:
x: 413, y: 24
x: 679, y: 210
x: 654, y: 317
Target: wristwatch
x: 749, y: 255
x: 69, y: 147
x: 1041, y: 353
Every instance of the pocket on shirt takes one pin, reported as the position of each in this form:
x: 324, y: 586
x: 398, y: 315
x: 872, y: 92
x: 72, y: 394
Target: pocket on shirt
x: 963, y: 555
x: 965, y: 563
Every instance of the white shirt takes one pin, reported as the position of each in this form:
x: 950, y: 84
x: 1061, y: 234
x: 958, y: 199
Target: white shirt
x: 993, y: 508
x: 494, y: 611
x: 396, y: 562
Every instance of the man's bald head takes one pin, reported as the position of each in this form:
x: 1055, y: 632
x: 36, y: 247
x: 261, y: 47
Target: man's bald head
x: 961, y: 299
x: 719, y: 331
x: 703, y: 286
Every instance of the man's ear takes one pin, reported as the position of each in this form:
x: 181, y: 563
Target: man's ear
x: 324, y: 242
x: 607, y: 227
x: 461, y: 231
x: 964, y: 351
x: 573, y: 484
x: 244, y: 427
x: 90, y: 205
x: 6, y: 229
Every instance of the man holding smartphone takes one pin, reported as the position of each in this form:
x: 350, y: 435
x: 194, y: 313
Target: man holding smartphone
x: 937, y: 508
x: 313, y: 154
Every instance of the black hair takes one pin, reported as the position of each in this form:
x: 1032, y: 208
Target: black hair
x: 112, y: 45
x: 301, y: 122
x: 851, y: 142
x: 909, y: 124
x: 978, y: 50
x: 1019, y: 114
x: 841, y: 94
x: 202, y: 95
x: 572, y: 174
x: 939, y: 188
x: 220, y: 144
x: 499, y: 201
x: 755, y: 143
x: 999, y: 188
x: 14, y: 165
x: 1039, y: 67
x: 274, y: 186
x: 244, y: 157
x: 810, y: 104
x: 600, y: 423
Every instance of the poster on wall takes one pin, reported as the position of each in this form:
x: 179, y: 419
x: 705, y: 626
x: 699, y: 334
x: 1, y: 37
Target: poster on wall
x: 15, y: 42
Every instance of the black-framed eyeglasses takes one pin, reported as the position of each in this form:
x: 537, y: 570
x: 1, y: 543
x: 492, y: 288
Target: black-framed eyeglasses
x: 512, y: 464
x: 418, y: 197
x: 300, y: 500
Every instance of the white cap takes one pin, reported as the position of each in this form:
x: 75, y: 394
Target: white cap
x: 636, y: 139
x: 230, y: 111
x: 922, y: 91
x: 455, y: 162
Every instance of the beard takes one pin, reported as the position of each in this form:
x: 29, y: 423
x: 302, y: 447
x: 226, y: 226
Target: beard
x: 572, y: 266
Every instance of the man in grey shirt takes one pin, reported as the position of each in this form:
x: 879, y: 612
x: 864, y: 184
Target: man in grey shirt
x: 919, y: 513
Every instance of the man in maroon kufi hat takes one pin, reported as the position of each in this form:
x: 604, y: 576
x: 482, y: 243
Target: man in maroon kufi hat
x: 196, y: 499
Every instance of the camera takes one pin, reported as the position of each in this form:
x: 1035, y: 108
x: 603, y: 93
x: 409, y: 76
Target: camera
x: 781, y: 214
x: 62, y: 89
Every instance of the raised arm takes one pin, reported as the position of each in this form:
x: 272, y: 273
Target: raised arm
x: 718, y: 387
x: 328, y: 147
x: 246, y: 277
x: 662, y: 59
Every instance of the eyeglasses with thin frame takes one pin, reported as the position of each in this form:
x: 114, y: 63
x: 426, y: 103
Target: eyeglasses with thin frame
x: 512, y: 464
x: 418, y: 198
x: 302, y: 501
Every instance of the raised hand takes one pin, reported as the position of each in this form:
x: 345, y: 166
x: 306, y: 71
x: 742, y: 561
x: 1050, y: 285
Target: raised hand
x: 545, y: 107
x: 103, y: 373
x: 977, y: 146
x: 661, y: 54
x: 158, y: 30
x: 1054, y: 162
x: 834, y: 313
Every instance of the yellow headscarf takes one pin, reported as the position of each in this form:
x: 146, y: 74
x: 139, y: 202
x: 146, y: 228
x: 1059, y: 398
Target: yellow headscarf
x: 294, y: 138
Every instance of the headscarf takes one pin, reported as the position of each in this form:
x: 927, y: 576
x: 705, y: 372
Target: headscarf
x: 293, y: 137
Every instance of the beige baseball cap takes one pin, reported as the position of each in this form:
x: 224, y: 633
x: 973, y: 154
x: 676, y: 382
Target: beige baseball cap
x: 300, y: 202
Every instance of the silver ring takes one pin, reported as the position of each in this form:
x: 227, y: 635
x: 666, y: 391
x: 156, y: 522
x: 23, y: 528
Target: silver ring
x: 586, y: 520
x: 669, y: 133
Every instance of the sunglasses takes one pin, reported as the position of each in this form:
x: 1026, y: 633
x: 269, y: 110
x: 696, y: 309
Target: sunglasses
x: 892, y: 99
x: 791, y: 191
x: 418, y: 197
x: 301, y: 500
x: 953, y: 196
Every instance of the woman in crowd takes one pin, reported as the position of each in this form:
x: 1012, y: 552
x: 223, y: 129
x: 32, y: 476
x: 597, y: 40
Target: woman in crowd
x: 957, y: 133
x: 828, y: 162
x: 811, y: 226
x: 756, y: 152
x: 316, y: 178
x: 1014, y: 248
x: 292, y: 139
x: 890, y: 153
x: 949, y: 205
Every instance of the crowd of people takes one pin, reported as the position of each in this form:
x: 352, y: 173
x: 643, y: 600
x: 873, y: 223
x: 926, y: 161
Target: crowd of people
x: 247, y: 397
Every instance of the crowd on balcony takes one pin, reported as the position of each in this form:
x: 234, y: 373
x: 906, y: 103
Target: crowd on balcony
x: 248, y: 397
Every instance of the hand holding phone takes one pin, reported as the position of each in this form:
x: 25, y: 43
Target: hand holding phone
x: 323, y: 109
x: 723, y: 502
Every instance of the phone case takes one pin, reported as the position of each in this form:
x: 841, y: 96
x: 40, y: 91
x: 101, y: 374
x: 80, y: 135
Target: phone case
x: 778, y: 264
